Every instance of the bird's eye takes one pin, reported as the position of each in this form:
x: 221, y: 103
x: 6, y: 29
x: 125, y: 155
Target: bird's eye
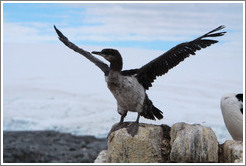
x: 110, y: 56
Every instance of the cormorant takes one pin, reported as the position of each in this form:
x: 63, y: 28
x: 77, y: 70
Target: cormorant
x: 129, y: 86
x: 232, y: 110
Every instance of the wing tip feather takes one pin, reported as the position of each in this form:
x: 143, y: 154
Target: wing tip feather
x: 60, y: 35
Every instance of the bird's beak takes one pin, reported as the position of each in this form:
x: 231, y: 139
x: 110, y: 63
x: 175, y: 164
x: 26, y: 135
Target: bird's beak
x: 98, y: 53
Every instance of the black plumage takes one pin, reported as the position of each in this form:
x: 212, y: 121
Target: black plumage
x: 162, y: 64
x: 159, y: 66
x: 104, y: 67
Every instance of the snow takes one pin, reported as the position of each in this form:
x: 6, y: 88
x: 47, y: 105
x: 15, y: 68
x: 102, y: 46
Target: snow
x: 49, y: 87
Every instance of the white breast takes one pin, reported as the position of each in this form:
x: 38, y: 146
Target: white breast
x: 233, y: 118
x: 127, y: 91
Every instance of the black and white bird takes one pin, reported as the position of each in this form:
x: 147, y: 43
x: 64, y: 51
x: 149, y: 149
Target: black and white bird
x: 232, y: 111
x: 129, y: 86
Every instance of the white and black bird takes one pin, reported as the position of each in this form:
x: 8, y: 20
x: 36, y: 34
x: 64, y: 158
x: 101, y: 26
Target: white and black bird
x: 129, y: 86
x: 232, y: 111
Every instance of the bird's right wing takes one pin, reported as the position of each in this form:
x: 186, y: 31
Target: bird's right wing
x: 104, y: 67
x: 162, y: 64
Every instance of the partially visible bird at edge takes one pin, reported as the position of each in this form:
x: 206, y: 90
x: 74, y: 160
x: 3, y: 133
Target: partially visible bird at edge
x: 232, y: 110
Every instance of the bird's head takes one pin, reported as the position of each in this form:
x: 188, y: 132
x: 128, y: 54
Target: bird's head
x: 111, y: 55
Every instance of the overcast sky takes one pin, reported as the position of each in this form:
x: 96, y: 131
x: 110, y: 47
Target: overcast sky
x: 156, y: 26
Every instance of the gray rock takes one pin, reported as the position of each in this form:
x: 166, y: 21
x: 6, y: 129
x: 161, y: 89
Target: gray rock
x: 193, y: 143
x: 145, y: 147
x: 50, y: 147
x: 232, y: 152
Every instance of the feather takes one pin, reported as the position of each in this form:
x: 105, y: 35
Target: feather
x: 162, y: 64
x: 104, y: 67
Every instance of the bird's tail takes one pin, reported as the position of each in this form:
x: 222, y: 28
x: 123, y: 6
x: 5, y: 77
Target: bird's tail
x: 150, y: 111
x: 157, y: 113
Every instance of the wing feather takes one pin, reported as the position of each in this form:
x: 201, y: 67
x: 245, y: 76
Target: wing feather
x: 162, y: 64
x: 104, y: 67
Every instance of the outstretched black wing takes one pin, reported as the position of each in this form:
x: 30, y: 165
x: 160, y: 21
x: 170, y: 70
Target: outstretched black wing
x: 104, y: 67
x: 162, y: 64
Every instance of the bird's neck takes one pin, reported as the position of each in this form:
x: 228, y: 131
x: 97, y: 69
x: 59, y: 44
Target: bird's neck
x: 116, y: 65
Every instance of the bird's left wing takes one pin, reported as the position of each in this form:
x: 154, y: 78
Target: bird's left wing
x: 162, y: 64
x: 104, y: 67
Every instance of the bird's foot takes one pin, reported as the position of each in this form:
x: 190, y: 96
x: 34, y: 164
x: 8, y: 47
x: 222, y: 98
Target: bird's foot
x: 117, y: 127
x: 132, y: 129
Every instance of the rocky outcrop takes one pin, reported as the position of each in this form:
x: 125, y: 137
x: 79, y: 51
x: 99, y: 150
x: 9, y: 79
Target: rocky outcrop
x: 145, y: 147
x: 193, y: 143
x: 162, y: 144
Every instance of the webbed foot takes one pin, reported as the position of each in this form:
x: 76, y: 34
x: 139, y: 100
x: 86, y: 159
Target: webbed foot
x: 117, y: 127
x: 132, y: 129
